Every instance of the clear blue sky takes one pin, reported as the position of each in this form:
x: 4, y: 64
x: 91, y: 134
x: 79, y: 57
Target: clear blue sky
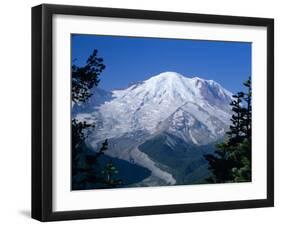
x: 135, y: 59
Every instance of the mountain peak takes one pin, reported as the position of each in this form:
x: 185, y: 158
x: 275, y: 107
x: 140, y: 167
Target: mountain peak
x: 166, y: 77
x: 169, y: 74
x: 172, y: 75
x: 174, y: 87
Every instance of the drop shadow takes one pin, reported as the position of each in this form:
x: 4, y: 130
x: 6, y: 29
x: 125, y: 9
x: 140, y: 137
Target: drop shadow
x: 25, y: 213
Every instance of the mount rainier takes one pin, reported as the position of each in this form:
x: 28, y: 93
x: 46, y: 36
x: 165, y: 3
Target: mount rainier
x: 164, y: 124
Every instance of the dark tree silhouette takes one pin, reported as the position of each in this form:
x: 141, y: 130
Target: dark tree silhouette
x: 232, y: 159
x: 84, y: 162
x: 220, y: 164
x: 248, y: 119
x: 86, y: 77
x: 235, y: 133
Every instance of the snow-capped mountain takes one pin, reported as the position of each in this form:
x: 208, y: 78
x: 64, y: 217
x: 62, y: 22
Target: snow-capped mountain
x: 147, y: 105
x: 189, y: 110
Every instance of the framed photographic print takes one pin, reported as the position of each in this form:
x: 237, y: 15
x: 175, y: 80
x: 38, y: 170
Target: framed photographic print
x: 145, y: 112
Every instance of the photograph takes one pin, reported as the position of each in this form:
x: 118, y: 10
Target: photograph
x: 149, y: 111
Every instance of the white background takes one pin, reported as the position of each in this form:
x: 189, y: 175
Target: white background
x: 15, y: 112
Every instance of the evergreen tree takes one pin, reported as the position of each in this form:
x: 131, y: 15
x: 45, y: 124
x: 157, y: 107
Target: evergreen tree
x: 78, y: 156
x: 86, y: 77
x: 109, y: 173
x: 235, y: 133
x: 85, y: 171
x: 220, y: 164
x: 232, y: 159
x: 248, y: 119
x: 84, y: 162
x: 242, y: 170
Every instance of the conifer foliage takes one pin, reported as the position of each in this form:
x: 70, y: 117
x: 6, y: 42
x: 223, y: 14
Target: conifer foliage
x: 85, y: 165
x: 86, y: 77
x: 232, y: 159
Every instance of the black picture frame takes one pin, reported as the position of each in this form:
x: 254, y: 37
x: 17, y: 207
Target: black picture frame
x: 42, y: 111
